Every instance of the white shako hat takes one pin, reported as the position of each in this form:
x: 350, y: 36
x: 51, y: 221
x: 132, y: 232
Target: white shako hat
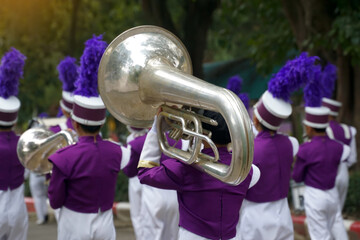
x: 317, y: 117
x: 333, y: 105
x: 88, y: 108
x: 271, y: 111
x: 11, y: 70
x: 68, y: 74
x: 9, y: 110
x: 89, y: 111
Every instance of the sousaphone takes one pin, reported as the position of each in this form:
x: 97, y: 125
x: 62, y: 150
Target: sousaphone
x: 147, y: 67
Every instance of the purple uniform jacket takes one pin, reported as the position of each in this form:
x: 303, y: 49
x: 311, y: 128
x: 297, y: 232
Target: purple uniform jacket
x: 207, y: 206
x: 317, y: 162
x: 339, y: 133
x: 137, y: 145
x: 136, y: 148
x: 11, y: 170
x: 84, y: 175
x: 57, y: 128
x: 273, y: 155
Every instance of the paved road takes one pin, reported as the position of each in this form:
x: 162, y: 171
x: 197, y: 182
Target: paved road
x: 49, y: 231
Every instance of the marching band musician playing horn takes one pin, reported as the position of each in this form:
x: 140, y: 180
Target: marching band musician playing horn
x: 265, y: 213
x: 208, y: 208
x: 84, y: 175
x: 13, y: 213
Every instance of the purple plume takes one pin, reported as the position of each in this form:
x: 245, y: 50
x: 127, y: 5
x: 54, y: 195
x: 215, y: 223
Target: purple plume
x: 86, y: 84
x: 292, y: 76
x: 11, y: 70
x: 235, y: 84
x: 59, y: 113
x: 312, y: 92
x: 68, y: 73
x: 328, y: 79
x: 244, y: 97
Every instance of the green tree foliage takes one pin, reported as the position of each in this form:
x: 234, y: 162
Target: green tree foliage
x: 46, y: 31
x: 252, y: 29
x: 345, y: 33
x: 352, y: 206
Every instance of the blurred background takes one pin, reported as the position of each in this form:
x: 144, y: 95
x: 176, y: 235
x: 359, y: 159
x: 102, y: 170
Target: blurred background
x: 249, y: 38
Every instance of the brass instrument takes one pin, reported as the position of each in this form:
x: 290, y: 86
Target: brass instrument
x: 146, y: 67
x: 37, y: 144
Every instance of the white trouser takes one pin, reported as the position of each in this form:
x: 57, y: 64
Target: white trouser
x: 135, y: 194
x: 13, y: 215
x: 270, y: 220
x: 322, y: 208
x: 85, y: 226
x: 342, y: 182
x: 160, y: 214
x: 38, y: 190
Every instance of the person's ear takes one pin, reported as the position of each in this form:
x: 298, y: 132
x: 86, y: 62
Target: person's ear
x: 256, y: 122
x: 75, y: 125
x: 309, y: 131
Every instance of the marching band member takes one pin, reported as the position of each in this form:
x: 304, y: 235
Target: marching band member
x: 317, y: 164
x: 208, y: 208
x: 84, y: 175
x: 13, y: 217
x: 345, y: 134
x: 68, y: 73
x: 265, y: 213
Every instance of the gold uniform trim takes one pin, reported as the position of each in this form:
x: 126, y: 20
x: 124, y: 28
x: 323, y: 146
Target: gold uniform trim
x: 147, y: 164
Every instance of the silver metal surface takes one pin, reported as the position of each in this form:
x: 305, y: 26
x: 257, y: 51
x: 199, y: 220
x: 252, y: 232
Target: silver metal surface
x: 124, y: 61
x: 146, y: 67
x: 187, y: 125
x: 37, y: 144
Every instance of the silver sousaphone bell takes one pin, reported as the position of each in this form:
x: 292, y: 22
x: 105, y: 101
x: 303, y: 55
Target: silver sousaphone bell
x: 37, y: 144
x: 146, y: 67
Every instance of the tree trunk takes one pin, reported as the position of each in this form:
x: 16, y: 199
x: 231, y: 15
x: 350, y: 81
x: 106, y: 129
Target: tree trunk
x: 195, y: 27
x: 73, y: 27
x: 356, y: 108
x: 157, y: 13
x: 343, y: 88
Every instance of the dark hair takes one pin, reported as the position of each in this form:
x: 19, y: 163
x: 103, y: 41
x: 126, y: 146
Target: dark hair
x: 220, y: 133
x: 320, y: 130
x: 266, y: 129
x: 6, y: 127
x: 90, y: 129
